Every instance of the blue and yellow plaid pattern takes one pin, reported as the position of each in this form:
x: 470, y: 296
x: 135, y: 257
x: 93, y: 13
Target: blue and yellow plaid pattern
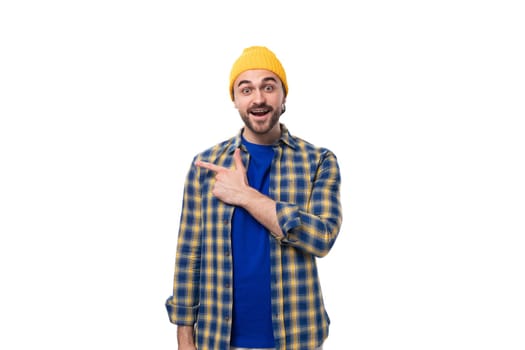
x: 305, y: 183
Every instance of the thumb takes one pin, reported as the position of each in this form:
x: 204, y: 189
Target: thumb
x: 238, y: 159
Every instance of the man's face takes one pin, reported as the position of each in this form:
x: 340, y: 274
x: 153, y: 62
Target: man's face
x: 259, y: 97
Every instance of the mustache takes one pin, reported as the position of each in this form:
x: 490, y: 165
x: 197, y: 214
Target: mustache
x: 261, y: 106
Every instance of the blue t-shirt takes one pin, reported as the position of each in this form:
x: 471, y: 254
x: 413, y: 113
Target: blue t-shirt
x: 252, y: 317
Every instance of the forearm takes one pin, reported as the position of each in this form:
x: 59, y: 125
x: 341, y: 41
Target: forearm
x: 185, y: 337
x: 262, y: 208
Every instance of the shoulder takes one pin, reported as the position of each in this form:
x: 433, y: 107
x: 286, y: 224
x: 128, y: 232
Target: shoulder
x: 303, y: 146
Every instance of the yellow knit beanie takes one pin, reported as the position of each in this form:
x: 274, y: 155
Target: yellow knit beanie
x: 257, y: 57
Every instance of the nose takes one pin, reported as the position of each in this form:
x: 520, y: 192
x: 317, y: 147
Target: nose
x: 258, y: 96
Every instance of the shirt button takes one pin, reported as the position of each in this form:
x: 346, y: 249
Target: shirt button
x: 227, y: 318
x: 227, y: 285
x: 227, y: 253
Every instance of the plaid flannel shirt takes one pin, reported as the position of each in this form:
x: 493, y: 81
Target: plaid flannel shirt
x: 305, y: 183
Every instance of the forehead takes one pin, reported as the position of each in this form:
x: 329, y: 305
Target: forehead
x: 255, y: 76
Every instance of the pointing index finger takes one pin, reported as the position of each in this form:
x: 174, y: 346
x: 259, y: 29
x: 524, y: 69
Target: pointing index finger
x: 208, y: 166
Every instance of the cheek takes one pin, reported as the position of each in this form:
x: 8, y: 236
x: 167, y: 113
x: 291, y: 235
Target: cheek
x: 236, y: 103
x: 277, y: 101
x: 240, y: 103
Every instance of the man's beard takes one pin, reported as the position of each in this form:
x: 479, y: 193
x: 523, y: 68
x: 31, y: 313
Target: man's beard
x: 263, y: 127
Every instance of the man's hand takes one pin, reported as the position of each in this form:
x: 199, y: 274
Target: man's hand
x: 231, y: 185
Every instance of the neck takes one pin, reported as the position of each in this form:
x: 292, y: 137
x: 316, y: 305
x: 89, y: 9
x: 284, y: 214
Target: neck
x: 268, y: 138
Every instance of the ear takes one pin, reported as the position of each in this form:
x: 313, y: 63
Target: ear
x: 283, y: 105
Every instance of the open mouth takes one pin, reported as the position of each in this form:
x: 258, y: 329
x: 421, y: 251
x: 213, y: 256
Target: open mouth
x: 260, y: 111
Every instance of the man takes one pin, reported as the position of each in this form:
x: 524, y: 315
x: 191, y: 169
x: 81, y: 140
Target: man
x: 258, y: 209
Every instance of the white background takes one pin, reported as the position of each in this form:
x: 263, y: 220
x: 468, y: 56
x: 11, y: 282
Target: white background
x: 104, y: 103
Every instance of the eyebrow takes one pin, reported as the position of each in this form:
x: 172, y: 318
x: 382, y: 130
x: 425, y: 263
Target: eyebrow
x: 264, y: 81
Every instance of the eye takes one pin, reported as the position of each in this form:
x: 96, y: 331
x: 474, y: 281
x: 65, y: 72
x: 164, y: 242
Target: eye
x: 245, y: 90
x: 268, y: 88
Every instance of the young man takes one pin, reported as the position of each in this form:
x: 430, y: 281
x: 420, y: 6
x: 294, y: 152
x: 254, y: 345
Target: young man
x: 258, y: 209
